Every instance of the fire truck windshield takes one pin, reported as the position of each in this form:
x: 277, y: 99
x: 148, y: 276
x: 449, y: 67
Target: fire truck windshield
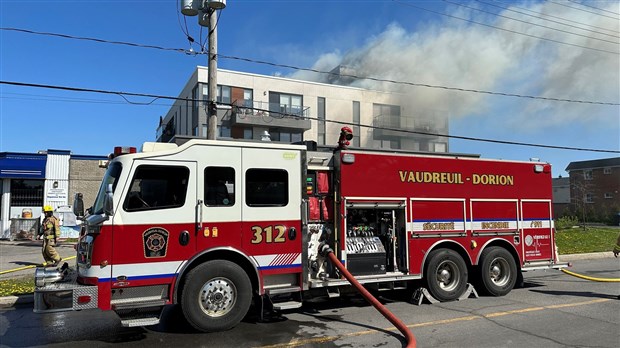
x: 111, y: 177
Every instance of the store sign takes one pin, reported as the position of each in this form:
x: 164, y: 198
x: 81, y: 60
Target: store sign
x: 56, y: 195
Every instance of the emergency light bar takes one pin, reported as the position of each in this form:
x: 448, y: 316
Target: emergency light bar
x: 123, y: 150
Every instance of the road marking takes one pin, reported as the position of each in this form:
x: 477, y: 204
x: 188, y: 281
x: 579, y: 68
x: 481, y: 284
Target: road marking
x: 318, y: 340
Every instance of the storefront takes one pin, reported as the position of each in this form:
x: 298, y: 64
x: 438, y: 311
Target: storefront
x: 30, y: 181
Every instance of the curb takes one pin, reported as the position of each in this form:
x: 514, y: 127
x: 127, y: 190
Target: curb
x: 11, y: 301
x: 586, y: 256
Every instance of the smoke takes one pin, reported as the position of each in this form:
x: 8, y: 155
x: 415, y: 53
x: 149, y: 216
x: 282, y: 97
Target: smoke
x: 459, y: 54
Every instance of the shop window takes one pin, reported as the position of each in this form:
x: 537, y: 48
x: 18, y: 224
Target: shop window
x: 220, y: 186
x: 26, y: 193
x: 157, y: 187
x: 266, y: 188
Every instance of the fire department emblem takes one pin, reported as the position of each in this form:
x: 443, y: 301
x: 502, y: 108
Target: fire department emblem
x: 155, y: 242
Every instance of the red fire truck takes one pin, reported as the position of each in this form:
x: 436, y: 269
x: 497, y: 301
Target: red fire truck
x: 214, y: 225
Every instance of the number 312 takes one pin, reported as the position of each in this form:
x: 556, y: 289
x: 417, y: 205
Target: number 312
x: 268, y: 237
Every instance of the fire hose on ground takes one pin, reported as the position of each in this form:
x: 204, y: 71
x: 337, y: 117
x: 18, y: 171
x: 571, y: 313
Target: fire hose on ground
x: 411, y: 343
x: 594, y: 279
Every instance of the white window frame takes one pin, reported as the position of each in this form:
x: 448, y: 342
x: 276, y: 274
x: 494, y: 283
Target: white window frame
x: 587, y: 174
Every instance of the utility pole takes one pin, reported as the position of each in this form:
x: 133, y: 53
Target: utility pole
x: 212, y: 106
x: 207, y: 10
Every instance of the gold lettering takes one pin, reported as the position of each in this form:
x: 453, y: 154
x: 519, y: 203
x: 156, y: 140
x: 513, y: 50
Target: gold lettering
x: 403, y: 175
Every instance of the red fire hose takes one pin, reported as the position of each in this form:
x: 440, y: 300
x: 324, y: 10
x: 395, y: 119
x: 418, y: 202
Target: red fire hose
x: 381, y: 308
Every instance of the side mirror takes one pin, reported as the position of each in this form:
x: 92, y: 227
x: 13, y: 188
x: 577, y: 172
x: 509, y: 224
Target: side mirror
x: 78, y: 205
x: 108, y: 201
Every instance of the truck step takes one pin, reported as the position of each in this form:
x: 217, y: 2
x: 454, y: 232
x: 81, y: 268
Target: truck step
x: 283, y: 290
x: 135, y: 322
x: 138, y: 302
x: 287, y: 305
x: 333, y: 292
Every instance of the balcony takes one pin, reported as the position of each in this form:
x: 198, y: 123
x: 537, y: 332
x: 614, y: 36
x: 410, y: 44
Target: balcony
x: 263, y: 114
x: 390, y: 126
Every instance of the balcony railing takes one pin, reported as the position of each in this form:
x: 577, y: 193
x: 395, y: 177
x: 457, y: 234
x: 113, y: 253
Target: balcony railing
x: 394, y: 125
x: 259, y: 113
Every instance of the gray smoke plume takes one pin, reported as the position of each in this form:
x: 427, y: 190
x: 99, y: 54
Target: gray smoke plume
x: 465, y: 55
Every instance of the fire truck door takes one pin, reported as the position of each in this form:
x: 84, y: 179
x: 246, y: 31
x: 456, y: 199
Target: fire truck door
x: 272, y: 208
x: 536, y: 232
x: 155, y: 212
x: 219, y: 190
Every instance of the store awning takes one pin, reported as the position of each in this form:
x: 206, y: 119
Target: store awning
x: 22, y: 166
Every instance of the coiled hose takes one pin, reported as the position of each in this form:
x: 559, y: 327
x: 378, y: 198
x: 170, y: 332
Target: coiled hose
x: 411, y: 343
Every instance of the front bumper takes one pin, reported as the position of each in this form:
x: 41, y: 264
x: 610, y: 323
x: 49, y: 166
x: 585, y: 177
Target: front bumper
x: 58, y: 291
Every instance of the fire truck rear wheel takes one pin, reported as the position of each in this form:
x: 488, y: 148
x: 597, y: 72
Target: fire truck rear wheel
x: 498, y: 271
x: 446, y: 275
x: 216, y: 296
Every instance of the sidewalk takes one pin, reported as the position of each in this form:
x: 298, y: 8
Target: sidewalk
x: 17, y: 254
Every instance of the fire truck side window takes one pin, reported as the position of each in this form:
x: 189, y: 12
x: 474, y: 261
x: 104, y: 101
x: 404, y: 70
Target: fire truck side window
x: 220, y: 186
x: 157, y: 187
x: 266, y: 187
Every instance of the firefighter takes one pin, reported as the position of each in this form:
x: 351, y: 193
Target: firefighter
x: 617, y: 247
x: 50, y: 232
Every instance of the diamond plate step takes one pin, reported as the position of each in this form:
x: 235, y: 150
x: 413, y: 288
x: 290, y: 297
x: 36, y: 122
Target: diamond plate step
x: 140, y: 322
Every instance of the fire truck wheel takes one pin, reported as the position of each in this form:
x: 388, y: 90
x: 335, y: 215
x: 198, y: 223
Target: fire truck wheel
x: 498, y: 271
x: 216, y: 296
x: 446, y: 275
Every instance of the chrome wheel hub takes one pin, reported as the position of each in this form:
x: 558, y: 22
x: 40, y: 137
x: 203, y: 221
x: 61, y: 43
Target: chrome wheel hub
x: 218, y: 296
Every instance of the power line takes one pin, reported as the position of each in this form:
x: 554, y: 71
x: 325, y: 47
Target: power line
x: 503, y: 29
x: 544, y: 19
x: 526, y: 22
x: 580, y: 9
x: 417, y: 84
x: 596, y: 8
x: 377, y: 79
x: 495, y: 141
x: 564, y: 19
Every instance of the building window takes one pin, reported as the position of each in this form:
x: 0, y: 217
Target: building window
x: 440, y: 147
x: 223, y: 131
x: 266, y: 187
x: 195, y: 133
x: 195, y: 103
x: 205, y: 129
x: 285, y: 136
x: 606, y: 170
x: 288, y: 104
x: 157, y: 187
x: 587, y: 174
x: 248, y: 98
x: 26, y: 193
x: 356, y: 124
x: 223, y: 93
x: 608, y: 195
x: 220, y: 186
x: 589, y: 198
x: 320, y: 113
x: 248, y: 133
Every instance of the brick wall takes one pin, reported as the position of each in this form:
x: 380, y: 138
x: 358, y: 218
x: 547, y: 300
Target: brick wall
x: 604, y: 189
x: 85, y: 177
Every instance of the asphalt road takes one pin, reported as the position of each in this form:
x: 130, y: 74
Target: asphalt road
x: 551, y: 310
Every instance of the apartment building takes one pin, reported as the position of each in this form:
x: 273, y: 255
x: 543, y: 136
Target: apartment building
x: 292, y: 110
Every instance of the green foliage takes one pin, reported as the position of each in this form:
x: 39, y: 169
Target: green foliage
x: 593, y: 239
x: 16, y: 286
x: 566, y: 222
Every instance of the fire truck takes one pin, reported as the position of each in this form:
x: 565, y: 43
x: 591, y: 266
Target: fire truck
x: 214, y: 226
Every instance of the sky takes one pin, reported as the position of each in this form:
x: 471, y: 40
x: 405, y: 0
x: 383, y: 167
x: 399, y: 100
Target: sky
x: 547, y: 49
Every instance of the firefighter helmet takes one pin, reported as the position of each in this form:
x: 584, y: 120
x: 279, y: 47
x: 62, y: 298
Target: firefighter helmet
x: 48, y: 208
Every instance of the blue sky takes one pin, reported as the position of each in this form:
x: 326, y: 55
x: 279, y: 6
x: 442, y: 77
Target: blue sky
x: 387, y: 39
